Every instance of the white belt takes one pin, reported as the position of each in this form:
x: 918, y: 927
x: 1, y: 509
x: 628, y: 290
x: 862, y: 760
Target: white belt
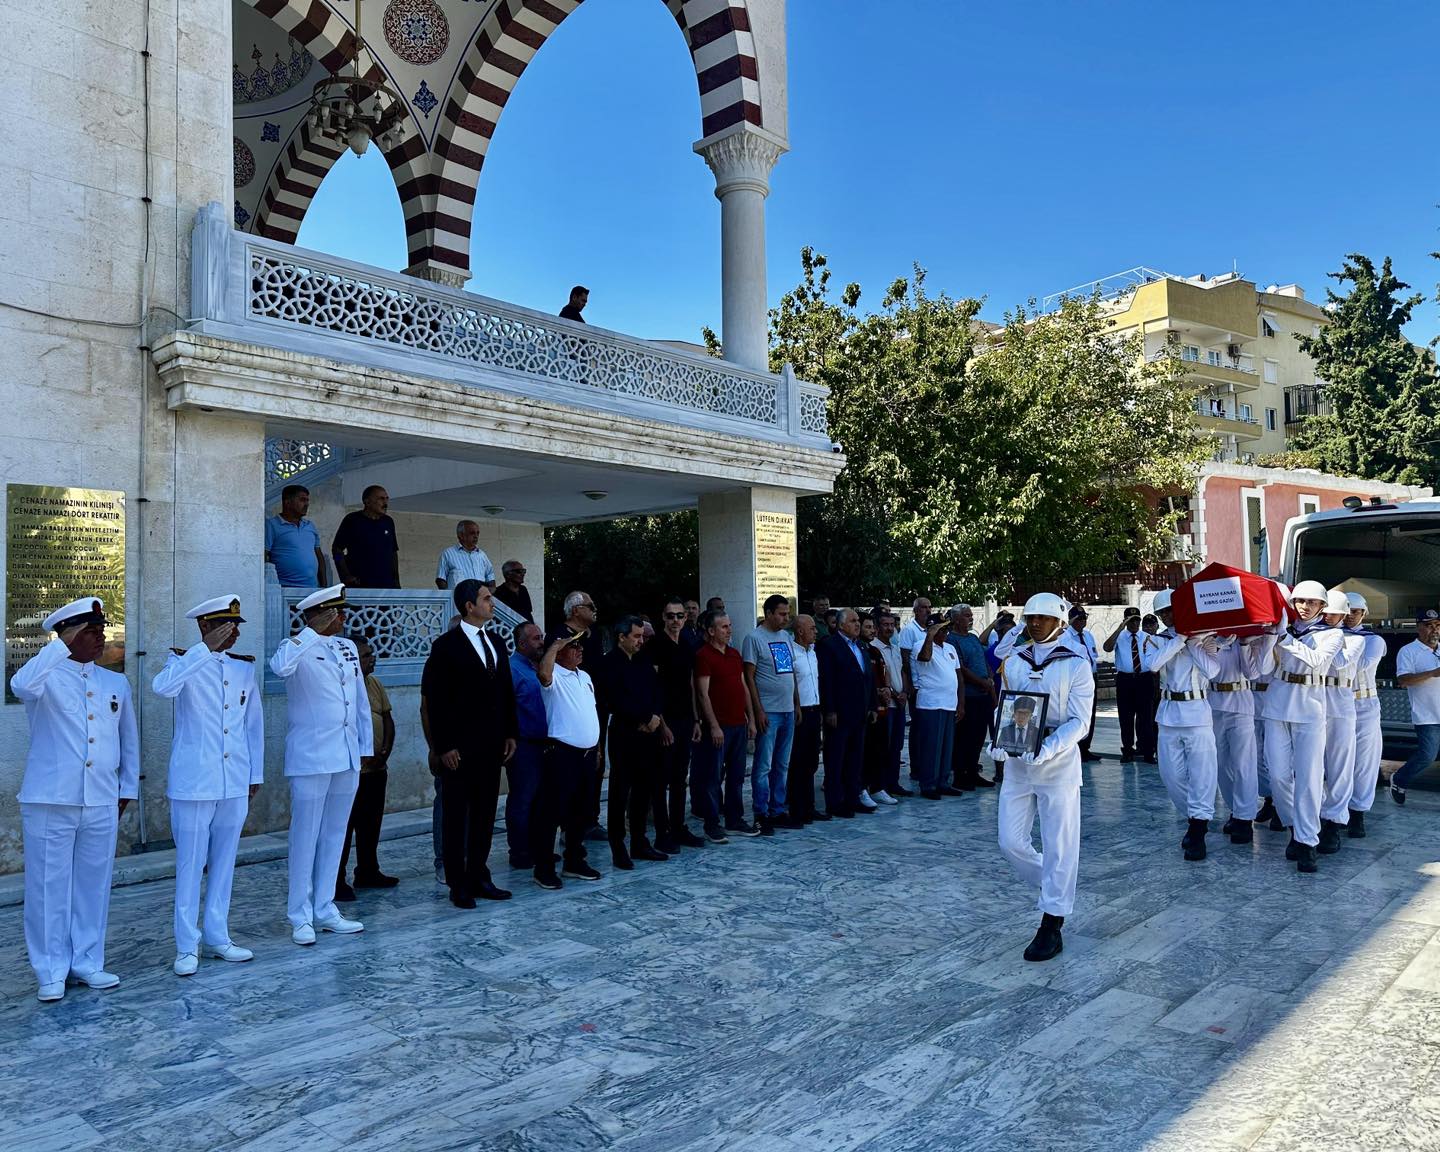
x: 1229, y: 685
x: 1338, y: 682
x: 1365, y: 693
x: 1302, y: 678
x: 1198, y: 695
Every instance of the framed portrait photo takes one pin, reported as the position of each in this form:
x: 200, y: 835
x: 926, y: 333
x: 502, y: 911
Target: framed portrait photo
x: 1018, y: 725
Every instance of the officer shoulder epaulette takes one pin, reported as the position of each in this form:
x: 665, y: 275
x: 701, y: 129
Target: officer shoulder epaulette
x: 237, y: 656
x: 178, y: 651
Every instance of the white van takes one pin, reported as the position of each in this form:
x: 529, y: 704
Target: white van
x: 1390, y: 554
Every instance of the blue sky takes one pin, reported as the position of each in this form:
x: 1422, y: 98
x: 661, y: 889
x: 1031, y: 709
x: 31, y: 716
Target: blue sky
x: 1013, y: 149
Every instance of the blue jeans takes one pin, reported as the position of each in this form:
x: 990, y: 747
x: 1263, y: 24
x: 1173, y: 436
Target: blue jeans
x: 932, y: 743
x: 523, y: 775
x: 1427, y: 747
x: 727, y: 767
x: 771, y: 763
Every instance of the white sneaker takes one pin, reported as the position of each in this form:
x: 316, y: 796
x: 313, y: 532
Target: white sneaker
x: 187, y: 964
x: 227, y: 951
x: 340, y: 925
x: 51, y: 992
x: 866, y: 802
x: 304, y: 934
x: 884, y: 797
x: 97, y: 979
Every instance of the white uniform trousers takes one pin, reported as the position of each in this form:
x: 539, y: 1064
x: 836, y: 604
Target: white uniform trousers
x: 1262, y: 774
x: 1187, y: 765
x: 1055, y: 871
x: 69, y: 857
x: 1295, y: 758
x: 1235, y: 757
x: 1368, y: 743
x: 1339, y: 768
x: 319, y: 813
x: 207, y: 834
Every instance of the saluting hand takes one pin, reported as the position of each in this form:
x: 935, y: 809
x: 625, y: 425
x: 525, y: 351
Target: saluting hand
x: 218, y: 637
x: 324, y: 621
x: 70, y: 634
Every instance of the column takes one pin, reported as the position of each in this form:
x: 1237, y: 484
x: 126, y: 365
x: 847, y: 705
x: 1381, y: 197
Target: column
x: 743, y: 550
x: 741, y: 161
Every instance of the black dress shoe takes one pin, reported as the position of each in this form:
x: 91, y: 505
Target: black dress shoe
x: 687, y: 839
x: 646, y: 852
x: 1090, y: 757
x: 946, y: 790
x: 964, y: 785
x: 488, y: 891
x: 461, y: 899
x: 898, y: 791
x: 1356, y: 829
x: 621, y: 860
x: 931, y: 794
x: 841, y: 813
x: 1305, y: 860
x: 1047, y: 943
x: 379, y: 880
x: 549, y: 881
x: 1242, y: 832
x: 1276, y: 824
x: 981, y: 782
x: 595, y: 832
x: 519, y: 861
x: 1151, y: 760
x: 822, y: 816
x: 1267, y: 811
x: 344, y: 894
x: 1195, y: 839
x: 1329, y: 837
x: 668, y: 847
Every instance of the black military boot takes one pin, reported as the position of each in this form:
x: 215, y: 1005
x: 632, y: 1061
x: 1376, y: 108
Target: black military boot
x: 1047, y: 943
x: 1276, y: 824
x: 1305, y: 859
x: 1356, y: 831
x: 1241, y: 831
x: 1229, y: 827
x: 1292, y: 849
x: 1267, y: 811
x: 1329, y: 837
x: 1194, y: 842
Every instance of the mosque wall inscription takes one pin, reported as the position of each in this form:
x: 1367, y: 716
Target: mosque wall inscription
x: 61, y: 544
x: 776, y: 568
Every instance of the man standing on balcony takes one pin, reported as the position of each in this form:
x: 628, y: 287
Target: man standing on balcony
x: 464, y: 560
x: 511, y: 591
x: 366, y: 548
x: 470, y: 699
x: 292, y: 543
x: 579, y: 297
x: 329, y: 732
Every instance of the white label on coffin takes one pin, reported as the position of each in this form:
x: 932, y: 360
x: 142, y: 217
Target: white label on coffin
x: 1221, y: 595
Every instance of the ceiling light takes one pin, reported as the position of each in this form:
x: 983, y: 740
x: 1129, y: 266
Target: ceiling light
x: 594, y: 494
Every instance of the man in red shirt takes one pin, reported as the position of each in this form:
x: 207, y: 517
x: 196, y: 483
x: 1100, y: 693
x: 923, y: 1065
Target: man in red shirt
x: 729, y: 723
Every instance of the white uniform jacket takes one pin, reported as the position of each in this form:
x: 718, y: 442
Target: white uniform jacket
x: 219, y: 745
x: 1302, y: 657
x: 1369, y: 661
x: 1063, y: 674
x: 84, y: 748
x: 1340, y: 680
x: 327, y: 709
x: 1185, y: 669
x: 1241, y: 666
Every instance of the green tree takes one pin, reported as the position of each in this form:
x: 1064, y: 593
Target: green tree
x: 1383, y: 391
x: 627, y: 565
x: 975, y: 455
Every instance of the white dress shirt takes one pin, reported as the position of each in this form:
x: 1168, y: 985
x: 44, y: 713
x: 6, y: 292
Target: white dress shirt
x: 218, y: 749
x: 1184, y: 668
x: 570, y: 712
x: 84, y: 748
x: 1125, y: 654
x: 1307, y: 655
x: 328, y: 709
x: 1369, y: 661
x: 1424, y: 696
x: 1240, y: 663
x: 456, y: 565
x: 807, y: 675
x: 484, y: 647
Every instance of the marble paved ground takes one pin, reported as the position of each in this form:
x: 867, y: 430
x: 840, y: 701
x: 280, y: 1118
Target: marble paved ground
x: 857, y: 985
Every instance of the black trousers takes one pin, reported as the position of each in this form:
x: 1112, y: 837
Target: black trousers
x: 596, y: 783
x: 1135, y: 698
x: 877, y: 754
x: 970, y: 736
x: 471, y: 794
x: 674, y: 775
x: 636, y: 785
x: 804, y: 762
x: 562, y: 802
x: 1090, y: 731
x: 844, y: 760
x: 364, y: 827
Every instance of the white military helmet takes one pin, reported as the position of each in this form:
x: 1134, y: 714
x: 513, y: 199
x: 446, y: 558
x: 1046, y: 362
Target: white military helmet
x: 1045, y: 604
x: 1309, y: 590
x: 1357, y: 602
x: 1162, y: 600
x: 1336, y: 602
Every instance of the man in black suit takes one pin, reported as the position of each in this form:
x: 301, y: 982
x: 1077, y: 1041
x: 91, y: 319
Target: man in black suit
x: 847, y: 701
x: 470, y: 701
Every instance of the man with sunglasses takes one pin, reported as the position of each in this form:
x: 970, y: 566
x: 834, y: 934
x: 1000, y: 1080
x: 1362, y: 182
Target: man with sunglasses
x: 674, y: 661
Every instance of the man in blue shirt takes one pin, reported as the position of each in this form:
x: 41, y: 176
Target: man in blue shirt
x: 523, y: 770
x: 291, y: 542
x: 979, y: 700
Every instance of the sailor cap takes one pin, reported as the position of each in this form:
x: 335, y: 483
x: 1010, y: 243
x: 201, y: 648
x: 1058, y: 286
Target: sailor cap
x: 86, y: 610
x: 332, y: 597
x: 220, y: 608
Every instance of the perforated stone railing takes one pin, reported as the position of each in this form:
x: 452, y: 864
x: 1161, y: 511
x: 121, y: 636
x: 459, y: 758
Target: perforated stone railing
x: 399, y: 623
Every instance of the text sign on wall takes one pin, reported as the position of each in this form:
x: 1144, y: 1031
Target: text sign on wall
x: 776, y: 569
x: 1222, y: 595
x: 61, y: 544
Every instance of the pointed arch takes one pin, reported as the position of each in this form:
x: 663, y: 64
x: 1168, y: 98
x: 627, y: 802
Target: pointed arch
x: 314, y: 24
x: 294, y: 180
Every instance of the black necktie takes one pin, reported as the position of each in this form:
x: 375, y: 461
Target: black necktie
x: 484, y: 650
x: 1134, y: 653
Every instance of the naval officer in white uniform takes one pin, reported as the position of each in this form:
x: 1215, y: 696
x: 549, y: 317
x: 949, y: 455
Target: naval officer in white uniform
x: 1046, y: 783
x: 217, y: 760
x: 329, y: 730
x: 83, y: 767
x: 1368, y: 741
x: 1339, y: 725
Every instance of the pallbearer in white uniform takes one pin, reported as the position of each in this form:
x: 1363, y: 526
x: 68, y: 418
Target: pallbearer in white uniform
x: 1368, y: 741
x: 82, y: 768
x: 1186, y: 745
x: 1232, y: 714
x: 1047, y: 782
x: 1295, y: 719
x: 1339, y: 725
x: 329, y: 717
x: 217, y: 761
x: 1260, y: 685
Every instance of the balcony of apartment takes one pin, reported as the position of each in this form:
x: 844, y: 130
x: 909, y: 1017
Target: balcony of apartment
x: 1305, y: 400
x: 1223, y: 419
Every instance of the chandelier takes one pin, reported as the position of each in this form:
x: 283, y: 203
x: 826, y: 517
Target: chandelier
x: 353, y: 110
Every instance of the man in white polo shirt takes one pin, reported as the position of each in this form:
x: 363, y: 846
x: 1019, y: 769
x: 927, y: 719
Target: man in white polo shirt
x: 1417, y: 670
x: 562, y: 800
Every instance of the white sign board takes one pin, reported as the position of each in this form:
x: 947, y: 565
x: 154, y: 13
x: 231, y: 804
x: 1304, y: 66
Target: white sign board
x: 1221, y: 595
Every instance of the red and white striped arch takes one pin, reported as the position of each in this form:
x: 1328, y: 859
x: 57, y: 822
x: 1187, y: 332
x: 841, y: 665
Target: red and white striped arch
x: 437, y: 185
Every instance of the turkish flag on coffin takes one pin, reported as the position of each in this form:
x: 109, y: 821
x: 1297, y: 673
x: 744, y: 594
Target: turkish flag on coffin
x: 1227, y: 601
